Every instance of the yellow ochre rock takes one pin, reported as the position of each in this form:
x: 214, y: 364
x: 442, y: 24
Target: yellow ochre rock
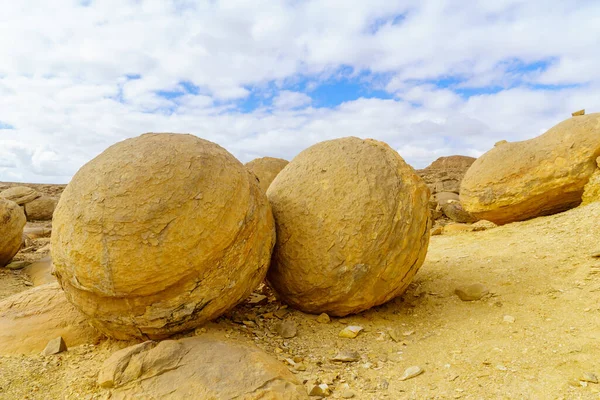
x: 12, y: 222
x: 540, y: 176
x: 159, y: 234
x: 352, y: 227
x: 266, y: 169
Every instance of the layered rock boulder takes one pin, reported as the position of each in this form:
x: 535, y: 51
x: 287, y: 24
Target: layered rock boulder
x: 352, y: 227
x: 20, y: 194
x: 446, y: 173
x: 12, y: 222
x: 266, y: 169
x: 203, y: 367
x: 40, y: 209
x: 159, y: 234
x: 521, y: 180
x: 30, y: 319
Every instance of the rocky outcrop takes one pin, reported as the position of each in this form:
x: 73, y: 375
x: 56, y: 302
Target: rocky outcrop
x: 352, y: 227
x: 12, y: 222
x: 521, y: 180
x: 204, y: 367
x: 591, y: 191
x: 20, y: 194
x: 159, y: 234
x: 446, y: 173
x: 266, y: 169
x: 30, y: 319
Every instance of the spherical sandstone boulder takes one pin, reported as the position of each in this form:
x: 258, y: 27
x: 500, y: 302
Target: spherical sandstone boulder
x: 12, y: 222
x: 266, y: 169
x: 40, y: 209
x: 159, y: 234
x: 352, y: 224
x: 541, y: 176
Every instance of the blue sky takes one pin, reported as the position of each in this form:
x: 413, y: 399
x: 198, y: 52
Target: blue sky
x: 270, y: 78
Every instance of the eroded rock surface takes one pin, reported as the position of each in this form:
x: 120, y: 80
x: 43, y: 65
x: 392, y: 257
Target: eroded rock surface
x: 12, y: 222
x: 266, y: 169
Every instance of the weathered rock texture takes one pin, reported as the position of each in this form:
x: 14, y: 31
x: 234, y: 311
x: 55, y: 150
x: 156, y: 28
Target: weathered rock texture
x: 12, y: 222
x: 204, y: 367
x: 352, y: 227
x: 266, y: 169
x: 30, y: 319
x: 159, y: 234
x: 591, y: 191
x: 446, y: 173
x: 540, y: 176
x: 40, y: 209
x: 20, y: 194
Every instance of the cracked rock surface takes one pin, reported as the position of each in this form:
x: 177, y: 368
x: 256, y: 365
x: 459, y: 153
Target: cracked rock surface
x: 159, y: 234
x: 352, y: 227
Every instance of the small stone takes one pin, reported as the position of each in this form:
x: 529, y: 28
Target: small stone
x: 55, y: 346
x: 348, y: 394
x: 396, y: 335
x: 509, y: 319
x: 346, y: 356
x: 595, y: 254
x: 300, y: 367
x: 257, y: 299
x: 281, y: 313
x: 320, y: 390
x: 323, y: 319
x: 411, y: 372
x: 501, y: 367
x: 589, y: 377
x: 287, y: 329
x: 351, y: 331
x: 471, y: 292
x: 15, y: 265
x: 437, y: 230
x: 578, y: 113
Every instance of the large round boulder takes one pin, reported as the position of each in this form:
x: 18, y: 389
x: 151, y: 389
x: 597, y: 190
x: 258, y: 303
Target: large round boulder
x: 352, y: 227
x: 266, y: 169
x: 159, y: 234
x: 40, y: 209
x: 541, y: 176
x: 12, y: 222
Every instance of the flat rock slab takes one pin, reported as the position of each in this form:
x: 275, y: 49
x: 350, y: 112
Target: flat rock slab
x: 471, y: 292
x: 201, y: 367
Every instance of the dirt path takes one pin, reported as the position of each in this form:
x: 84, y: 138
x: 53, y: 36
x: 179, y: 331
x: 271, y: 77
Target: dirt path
x: 533, y: 337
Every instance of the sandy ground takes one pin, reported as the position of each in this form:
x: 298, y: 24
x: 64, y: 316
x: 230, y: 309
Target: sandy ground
x: 533, y: 337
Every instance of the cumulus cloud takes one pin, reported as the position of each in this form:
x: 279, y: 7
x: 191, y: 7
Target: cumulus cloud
x: 261, y: 77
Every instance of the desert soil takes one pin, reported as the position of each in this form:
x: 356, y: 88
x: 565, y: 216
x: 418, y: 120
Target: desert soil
x: 534, y: 336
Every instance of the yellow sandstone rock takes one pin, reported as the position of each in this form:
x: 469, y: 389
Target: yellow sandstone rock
x: 266, y: 169
x: 30, y: 319
x: 12, y: 222
x: 159, y: 234
x: 352, y: 227
x: 540, y: 176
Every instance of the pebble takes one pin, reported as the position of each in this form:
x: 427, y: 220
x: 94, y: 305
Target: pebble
x: 348, y: 394
x: 287, y: 329
x: 15, y: 265
x: 411, y: 372
x: 55, y: 346
x: 509, y: 318
x: 471, y: 292
x: 320, y: 390
x: 281, y: 313
x: 323, y: 319
x: 346, y: 356
x: 351, y: 331
x: 595, y: 254
x: 589, y: 377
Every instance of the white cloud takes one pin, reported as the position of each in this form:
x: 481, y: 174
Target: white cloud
x: 64, y: 85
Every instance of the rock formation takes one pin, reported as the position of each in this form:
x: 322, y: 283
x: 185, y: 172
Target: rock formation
x: 540, y: 176
x: 37, y: 206
x: 28, y: 320
x: 12, y: 222
x: 266, y: 169
x: 352, y: 227
x: 202, y: 367
x: 159, y: 234
x: 446, y: 173
x: 591, y: 191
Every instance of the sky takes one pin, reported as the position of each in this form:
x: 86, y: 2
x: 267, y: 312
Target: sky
x: 272, y: 77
